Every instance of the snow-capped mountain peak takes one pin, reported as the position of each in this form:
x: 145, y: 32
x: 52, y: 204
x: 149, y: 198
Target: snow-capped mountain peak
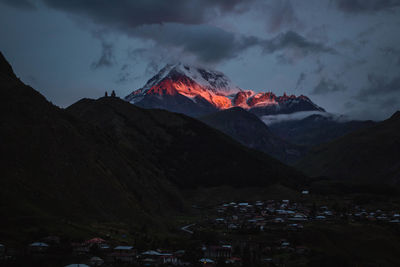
x: 185, y: 88
x: 213, y: 80
x: 190, y: 81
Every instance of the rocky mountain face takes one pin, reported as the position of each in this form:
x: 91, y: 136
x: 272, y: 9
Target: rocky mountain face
x: 249, y: 130
x: 369, y: 155
x: 211, y: 96
x: 196, y: 91
x: 316, y: 129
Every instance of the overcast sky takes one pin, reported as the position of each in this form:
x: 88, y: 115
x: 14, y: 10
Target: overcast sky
x: 343, y: 54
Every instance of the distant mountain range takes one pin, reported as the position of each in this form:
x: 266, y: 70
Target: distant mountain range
x: 210, y: 96
x: 197, y: 91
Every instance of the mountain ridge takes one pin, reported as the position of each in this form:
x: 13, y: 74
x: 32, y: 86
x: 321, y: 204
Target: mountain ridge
x: 210, y: 91
x: 174, y: 134
x: 249, y: 130
x: 368, y: 155
x: 107, y: 160
x: 315, y: 129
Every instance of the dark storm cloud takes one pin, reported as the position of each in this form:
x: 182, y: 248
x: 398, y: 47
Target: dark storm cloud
x: 285, y: 59
x: 390, y: 102
x: 207, y: 43
x: 393, y: 53
x: 380, y: 96
x: 107, y: 57
x: 349, y: 105
x: 362, y: 6
x: 125, y: 74
x: 132, y: 13
x: 179, y: 25
x: 23, y: 4
x: 152, y: 68
x: 300, y: 80
x: 320, y: 67
x: 326, y: 86
x: 379, y: 87
x: 291, y: 39
x: 211, y: 44
x: 293, y: 47
x: 173, y: 23
x: 281, y: 14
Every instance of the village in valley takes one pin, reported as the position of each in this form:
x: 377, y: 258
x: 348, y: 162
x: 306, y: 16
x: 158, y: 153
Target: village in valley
x: 258, y: 233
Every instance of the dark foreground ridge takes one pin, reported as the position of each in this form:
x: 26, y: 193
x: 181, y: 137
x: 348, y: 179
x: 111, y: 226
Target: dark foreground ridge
x: 189, y: 152
x: 107, y: 160
x: 104, y: 181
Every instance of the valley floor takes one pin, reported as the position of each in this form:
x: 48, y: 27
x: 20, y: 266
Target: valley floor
x: 305, y: 230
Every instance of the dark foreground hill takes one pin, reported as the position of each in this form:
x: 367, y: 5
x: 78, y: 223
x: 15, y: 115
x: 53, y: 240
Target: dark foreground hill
x: 249, y: 130
x: 107, y: 160
x: 54, y: 165
x: 189, y: 153
x: 367, y: 155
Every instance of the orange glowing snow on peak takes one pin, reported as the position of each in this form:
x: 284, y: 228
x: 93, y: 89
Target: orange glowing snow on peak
x: 206, y: 87
x: 190, y: 89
